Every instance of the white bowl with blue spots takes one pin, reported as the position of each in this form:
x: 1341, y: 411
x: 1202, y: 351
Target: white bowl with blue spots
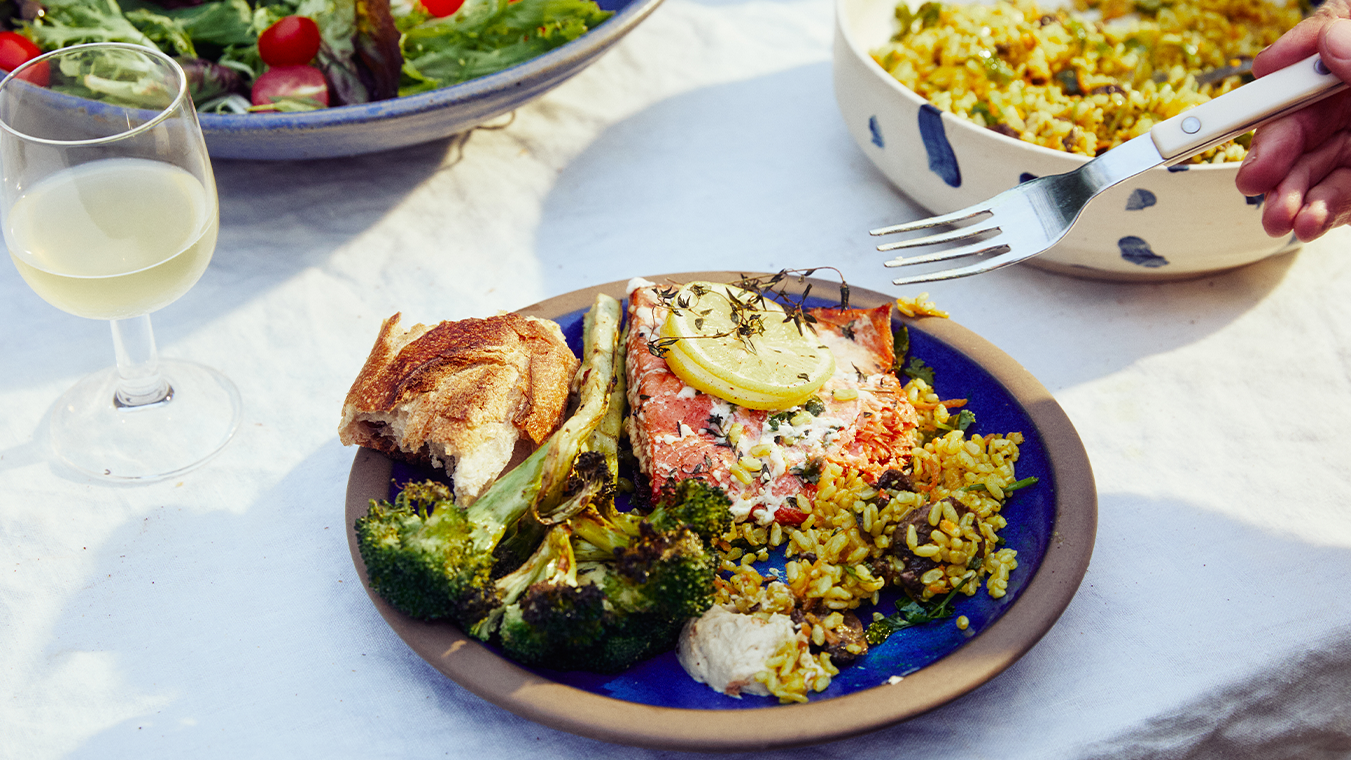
x: 1167, y: 223
x: 415, y: 119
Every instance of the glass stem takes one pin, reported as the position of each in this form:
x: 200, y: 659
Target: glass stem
x: 139, y: 380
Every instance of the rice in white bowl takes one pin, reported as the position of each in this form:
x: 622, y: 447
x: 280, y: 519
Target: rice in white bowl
x: 1069, y: 80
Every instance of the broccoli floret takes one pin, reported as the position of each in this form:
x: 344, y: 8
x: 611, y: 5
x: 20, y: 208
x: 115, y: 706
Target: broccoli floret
x: 667, y: 573
x: 644, y: 580
x: 431, y: 559
x: 400, y: 544
x: 574, y: 628
x: 553, y: 623
x: 702, y: 507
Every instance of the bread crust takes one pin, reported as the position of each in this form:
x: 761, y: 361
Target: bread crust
x: 460, y: 393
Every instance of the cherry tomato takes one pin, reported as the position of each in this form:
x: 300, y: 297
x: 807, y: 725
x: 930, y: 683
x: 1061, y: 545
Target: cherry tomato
x: 15, y: 50
x: 789, y: 516
x: 292, y: 41
x: 442, y: 8
x: 291, y: 82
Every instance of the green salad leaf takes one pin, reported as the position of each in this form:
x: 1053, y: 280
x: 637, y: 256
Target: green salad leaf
x: 366, y: 53
x: 75, y: 22
x: 487, y: 36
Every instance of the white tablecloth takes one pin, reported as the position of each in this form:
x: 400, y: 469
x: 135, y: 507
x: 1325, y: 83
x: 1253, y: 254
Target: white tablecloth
x: 219, y: 614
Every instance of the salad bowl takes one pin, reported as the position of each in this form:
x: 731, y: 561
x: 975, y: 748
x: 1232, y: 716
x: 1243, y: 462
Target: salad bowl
x: 411, y: 120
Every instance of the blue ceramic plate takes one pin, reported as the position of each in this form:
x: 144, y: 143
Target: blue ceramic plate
x: 400, y: 122
x: 656, y: 704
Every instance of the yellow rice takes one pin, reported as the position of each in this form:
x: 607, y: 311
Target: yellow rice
x: 850, y: 525
x: 1072, y: 81
x: 919, y: 306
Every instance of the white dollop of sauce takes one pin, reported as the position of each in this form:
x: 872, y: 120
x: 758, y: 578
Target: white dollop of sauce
x: 725, y: 649
x: 777, y: 464
x: 765, y: 514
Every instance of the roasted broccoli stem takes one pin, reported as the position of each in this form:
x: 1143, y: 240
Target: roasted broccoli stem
x: 597, y: 536
x: 595, y: 381
x: 694, y: 504
x: 552, y: 563
x: 555, y: 484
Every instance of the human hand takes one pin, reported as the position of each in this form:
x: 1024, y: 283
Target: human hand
x: 1302, y: 161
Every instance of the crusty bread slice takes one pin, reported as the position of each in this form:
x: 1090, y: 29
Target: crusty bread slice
x: 461, y: 395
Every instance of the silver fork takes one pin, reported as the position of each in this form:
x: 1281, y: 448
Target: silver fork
x: 1024, y: 221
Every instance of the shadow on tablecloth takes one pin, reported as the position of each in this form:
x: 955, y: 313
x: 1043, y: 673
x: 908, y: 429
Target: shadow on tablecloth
x: 772, y: 180
x: 1299, y: 710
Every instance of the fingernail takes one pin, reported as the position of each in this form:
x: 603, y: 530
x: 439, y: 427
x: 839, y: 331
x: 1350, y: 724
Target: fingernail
x: 1337, y: 39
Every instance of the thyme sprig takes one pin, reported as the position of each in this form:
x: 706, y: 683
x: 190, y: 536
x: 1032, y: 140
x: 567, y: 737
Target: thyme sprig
x: 776, y: 286
x: 747, y: 312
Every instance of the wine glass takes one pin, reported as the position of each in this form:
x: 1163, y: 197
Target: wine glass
x: 109, y: 211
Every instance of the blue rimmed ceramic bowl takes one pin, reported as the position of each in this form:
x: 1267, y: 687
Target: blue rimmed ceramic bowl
x: 400, y: 122
x: 1052, y: 526
x: 1165, y: 224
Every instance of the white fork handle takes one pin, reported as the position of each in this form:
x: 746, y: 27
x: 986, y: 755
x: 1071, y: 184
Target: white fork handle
x: 1238, y: 111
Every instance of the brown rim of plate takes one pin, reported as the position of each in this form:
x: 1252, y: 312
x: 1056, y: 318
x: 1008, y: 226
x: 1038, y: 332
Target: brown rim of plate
x: 507, y: 685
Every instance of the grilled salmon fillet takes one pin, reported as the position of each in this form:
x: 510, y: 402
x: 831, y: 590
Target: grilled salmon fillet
x: 461, y: 395
x: 861, y: 418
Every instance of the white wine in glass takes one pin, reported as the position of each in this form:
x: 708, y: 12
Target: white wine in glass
x: 109, y: 211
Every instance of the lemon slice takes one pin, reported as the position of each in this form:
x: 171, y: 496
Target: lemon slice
x: 726, y: 341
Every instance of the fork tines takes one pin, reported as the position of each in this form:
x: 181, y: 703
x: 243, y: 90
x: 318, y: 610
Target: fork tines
x: 978, y: 233
x: 1004, y: 257
x: 970, y: 212
x: 982, y: 238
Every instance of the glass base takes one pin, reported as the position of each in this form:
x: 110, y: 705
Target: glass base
x: 97, y: 434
